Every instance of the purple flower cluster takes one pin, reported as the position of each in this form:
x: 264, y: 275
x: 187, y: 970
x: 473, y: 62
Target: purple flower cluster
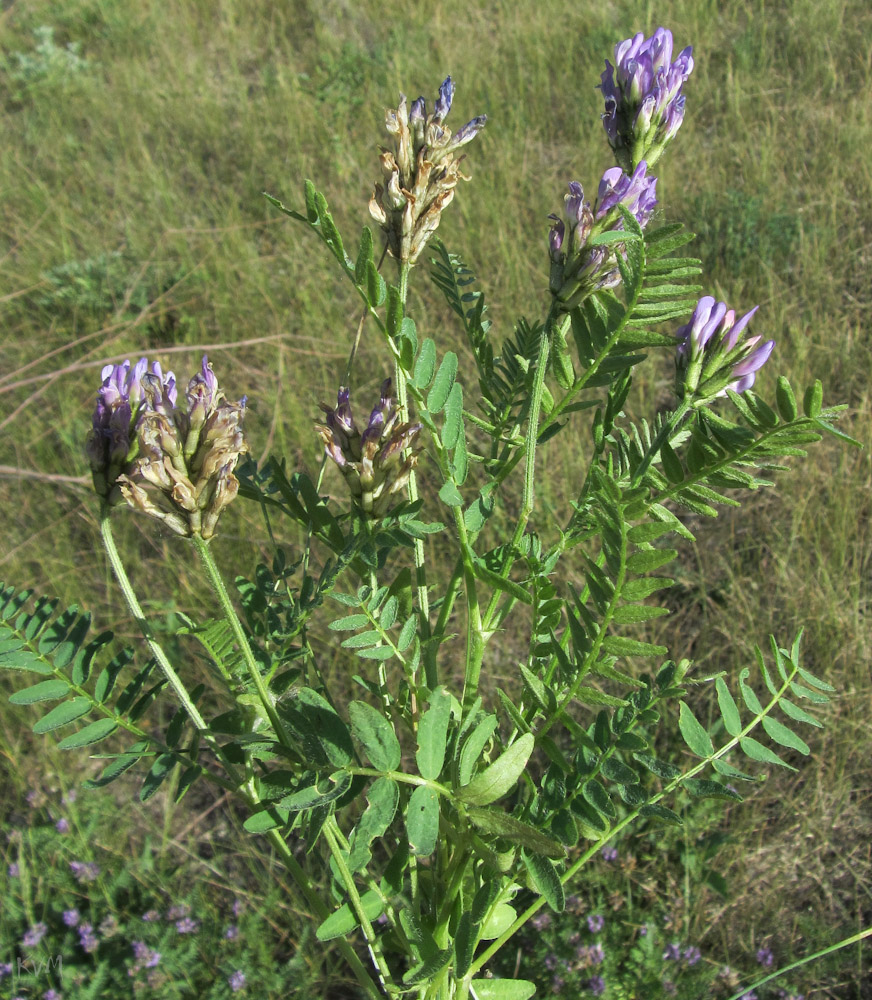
x: 34, y: 935
x: 765, y: 957
x: 237, y: 981
x: 596, y: 985
x: 578, y: 269
x: 145, y: 957
x: 85, y: 871
x: 595, y: 923
x: 71, y: 917
x: 88, y: 940
x: 689, y: 955
x: 187, y: 925
x: 175, y: 464
x: 643, y: 99
x: 715, y: 355
x: 372, y: 462
x: 609, y: 853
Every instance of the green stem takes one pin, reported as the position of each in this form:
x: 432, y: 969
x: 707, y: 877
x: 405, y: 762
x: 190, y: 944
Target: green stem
x: 420, y: 565
x: 173, y: 679
x: 320, y: 910
x: 331, y: 832
x: 802, y: 961
x: 232, y: 619
x: 529, y: 496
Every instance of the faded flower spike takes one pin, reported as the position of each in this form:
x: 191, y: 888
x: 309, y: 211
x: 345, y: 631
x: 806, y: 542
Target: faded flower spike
x: 421, y: 172
x: 577, y: 269
x: 715, y: 355
x: 183, y: 472
x: 372, y: 462
x: 644, y: 105
x: 121, y: 399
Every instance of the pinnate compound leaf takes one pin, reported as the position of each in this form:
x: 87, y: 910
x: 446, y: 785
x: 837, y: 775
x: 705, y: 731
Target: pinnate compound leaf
x: 422, y: 820
x: 93, y: 733
x: 729, y: 708
x: 63, y: 715
x: 473, y: 746
x: 694, y: 735
x: 433, y: 734
x: 546, y: 880
x: 780, y: 733
x: 797, y: 714
x: 501, y: 776
x: 376, y: 735
x: 501, y: 824
x: 160, y: 771
x: 344, y: 920
x: 756, y: 751
x: 119, y: 765
x: 44, y: 691
x: 428, y: 968
x: 382, y: 800
x: 661, y: 812
x: 705, y: 788
x: 443, y: 383
x: 503, y: 989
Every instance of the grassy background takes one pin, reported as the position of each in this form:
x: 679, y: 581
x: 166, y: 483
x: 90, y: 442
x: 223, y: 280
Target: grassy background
x: 137, y: 140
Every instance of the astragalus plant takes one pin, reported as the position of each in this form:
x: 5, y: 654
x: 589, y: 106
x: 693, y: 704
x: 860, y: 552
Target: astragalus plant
x: 440, y: 812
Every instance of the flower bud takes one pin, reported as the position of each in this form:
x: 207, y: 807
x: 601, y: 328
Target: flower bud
x: 372, y: 462
x: 643, y: 99
x: 715, y: 355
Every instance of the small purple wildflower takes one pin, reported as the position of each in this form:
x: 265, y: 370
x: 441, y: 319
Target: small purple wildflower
x: 150, y: 916
x: 232, y: 931
x: 714, y: 354
x: 609, y: 853
x: 596, y: 985
x: 146, y: 958
x: 596, y: 955
x: 87, y: 938
x: 550, y: 962
x: 765, y: 957
x: 62, y: 825
x: 34, y: 935
x: 5, y: 970
x: 237, y: 981
x: 85, y: 871
x: 637, y: 193
x: 14, y: 870
x: 187, y: 925
x: 178, y: 911
x: 643, y: 930
x: 541, y: 921
x: 672, y: 953
x: 71, y: 917
x: 51, y: 995
x: 595, y: 923
x: 692, y: 955
x: 643, y: 100
x: 750, y: 995
x: 237, y: 907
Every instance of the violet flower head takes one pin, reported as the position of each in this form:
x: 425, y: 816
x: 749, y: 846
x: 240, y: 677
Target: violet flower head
x: 85, y: 871
x: 716, y: 354
x: 420, y: 172
x: 637, y: 193
x: 644, y: 104
x: 183, y: 474
x: 237, y: 981
x: 372, y: 462
x: 71, y: 917
x: 596, y: 985
x: 578, y: 269
x: 33, y: 935
x: 765, y: 957
x: 121, y: 399
x: 595, y: 923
